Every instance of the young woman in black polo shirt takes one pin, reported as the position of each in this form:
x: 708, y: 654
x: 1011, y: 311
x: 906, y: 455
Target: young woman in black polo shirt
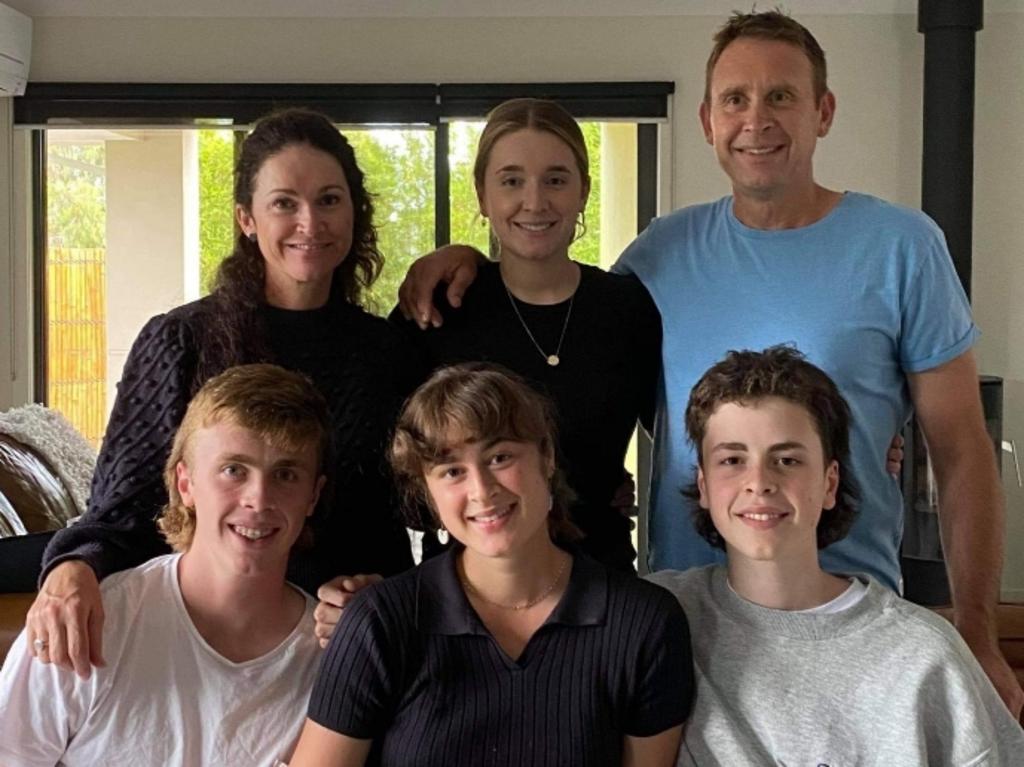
x: 511, y: 648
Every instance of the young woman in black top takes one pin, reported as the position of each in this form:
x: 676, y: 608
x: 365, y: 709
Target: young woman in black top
x: 588, y: 339
x: 288, y: 294
x: 511, y: 648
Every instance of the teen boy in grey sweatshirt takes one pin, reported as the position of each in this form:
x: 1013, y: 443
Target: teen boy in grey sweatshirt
x: 796, y: 665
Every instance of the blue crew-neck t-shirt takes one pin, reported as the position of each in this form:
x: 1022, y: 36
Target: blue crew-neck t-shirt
x: 868, y: 293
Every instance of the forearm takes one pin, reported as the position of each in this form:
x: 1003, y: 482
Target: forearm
x: 122, y: 538
x: 971, y: 511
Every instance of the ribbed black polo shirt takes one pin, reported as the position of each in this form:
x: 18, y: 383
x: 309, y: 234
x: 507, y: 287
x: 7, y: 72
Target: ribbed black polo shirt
x: 412, y: 667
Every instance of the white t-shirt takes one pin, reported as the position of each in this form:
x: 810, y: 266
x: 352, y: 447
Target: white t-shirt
x: 165, y: 696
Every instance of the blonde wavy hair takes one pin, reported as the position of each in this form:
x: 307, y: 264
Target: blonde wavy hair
x: 282, y: 407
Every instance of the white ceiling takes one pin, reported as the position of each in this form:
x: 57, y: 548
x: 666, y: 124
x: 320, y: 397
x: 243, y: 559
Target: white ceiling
x: 457, y: 8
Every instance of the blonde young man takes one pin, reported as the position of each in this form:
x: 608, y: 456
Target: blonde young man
x: 795, y: 664
x: 210, y: 652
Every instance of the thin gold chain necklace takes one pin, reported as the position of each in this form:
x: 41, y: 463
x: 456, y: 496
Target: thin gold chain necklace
x: 526, y: 605
x: 554, y: 358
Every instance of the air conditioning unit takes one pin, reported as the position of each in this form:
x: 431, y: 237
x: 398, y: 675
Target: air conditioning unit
x: 15, y: 50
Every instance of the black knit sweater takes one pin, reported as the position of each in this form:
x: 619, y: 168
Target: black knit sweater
x: 360, y: 364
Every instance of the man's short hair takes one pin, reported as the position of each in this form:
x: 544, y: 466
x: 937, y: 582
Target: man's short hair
x: 282, y: 407
x: 745, y: 377
x: 769, y: 25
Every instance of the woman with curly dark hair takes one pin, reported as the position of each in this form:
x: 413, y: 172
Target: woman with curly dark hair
x: 288, y: 294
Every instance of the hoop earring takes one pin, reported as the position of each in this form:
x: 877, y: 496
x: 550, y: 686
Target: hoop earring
x: 581, y: 226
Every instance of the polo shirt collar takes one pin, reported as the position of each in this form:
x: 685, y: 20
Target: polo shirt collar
x: 442, y: 606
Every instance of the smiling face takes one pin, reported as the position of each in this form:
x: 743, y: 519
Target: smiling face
x: 302, y: 216
x: 532, y: 192
x: 764, y: 479
x: 251, y: 499
x: 493, y: 497
x: 763, y: 119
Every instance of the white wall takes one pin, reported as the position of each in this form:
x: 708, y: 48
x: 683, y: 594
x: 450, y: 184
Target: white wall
x: 144, y: 261
x: 875, y: 64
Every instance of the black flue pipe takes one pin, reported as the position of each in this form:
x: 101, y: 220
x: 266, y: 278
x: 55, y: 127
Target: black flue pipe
x: 947, y: 167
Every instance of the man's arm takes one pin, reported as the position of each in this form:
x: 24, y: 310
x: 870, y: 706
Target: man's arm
x: 948, y: 407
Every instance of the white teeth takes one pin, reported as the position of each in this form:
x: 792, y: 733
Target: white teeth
x: 759, y: 151
x: 762, y: 517
x: 306, y: 246
x: 534, y: 227
x: 492, y: 517
x: 252, y: 533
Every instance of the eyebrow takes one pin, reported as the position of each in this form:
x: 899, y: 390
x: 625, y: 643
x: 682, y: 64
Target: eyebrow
x: 776, y: 448
x: 286, y: 190
x: 520, y: 169
x: 446, y: 455
x: 249, y: 460
x: 743, y: 90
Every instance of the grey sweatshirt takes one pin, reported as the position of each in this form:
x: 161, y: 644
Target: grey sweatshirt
x: 884, y: 683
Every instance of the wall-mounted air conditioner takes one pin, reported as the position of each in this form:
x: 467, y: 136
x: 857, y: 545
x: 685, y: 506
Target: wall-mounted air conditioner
x: 15, y: 50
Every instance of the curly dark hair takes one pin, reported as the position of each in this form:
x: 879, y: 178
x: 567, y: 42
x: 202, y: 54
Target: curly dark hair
x: 239, y: 290
x: 778, y: 371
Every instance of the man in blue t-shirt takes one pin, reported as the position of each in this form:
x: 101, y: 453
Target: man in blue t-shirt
x: 865, y: 288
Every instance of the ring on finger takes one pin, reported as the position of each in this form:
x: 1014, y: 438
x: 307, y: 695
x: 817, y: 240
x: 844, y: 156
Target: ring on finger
x: 39, y: 645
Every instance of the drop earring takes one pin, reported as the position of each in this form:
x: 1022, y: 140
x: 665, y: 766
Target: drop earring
x: 252, y: 237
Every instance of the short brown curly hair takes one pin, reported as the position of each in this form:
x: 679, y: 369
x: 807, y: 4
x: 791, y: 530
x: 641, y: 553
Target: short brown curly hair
x: 778, y: 371
x: 476, y: 401
x: 281, y: 406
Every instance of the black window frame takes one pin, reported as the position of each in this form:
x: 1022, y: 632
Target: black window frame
x: 47, y: 105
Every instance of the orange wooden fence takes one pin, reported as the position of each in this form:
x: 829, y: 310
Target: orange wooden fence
x: 76, y: 335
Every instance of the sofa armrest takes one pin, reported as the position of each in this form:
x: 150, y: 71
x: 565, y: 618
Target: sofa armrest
x: 13, y: 609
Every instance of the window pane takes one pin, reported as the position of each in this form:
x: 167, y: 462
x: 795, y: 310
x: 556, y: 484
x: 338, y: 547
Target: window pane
x: 76, y: 281
x: 216, y: 202
x: 398, y: 165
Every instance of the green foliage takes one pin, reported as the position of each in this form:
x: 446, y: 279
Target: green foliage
x: 76, y: 212
x: 216, y: 205
x: 399, y: 168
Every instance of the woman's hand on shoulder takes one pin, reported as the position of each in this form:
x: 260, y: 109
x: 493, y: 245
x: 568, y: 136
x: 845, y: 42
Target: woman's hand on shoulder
x: 65, y: 623
x: 335, y: 596
x: 455, y: 265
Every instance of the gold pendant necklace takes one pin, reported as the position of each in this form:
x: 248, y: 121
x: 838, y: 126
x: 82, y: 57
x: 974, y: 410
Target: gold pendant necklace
x: 526, y: 605
x: 554, y: 358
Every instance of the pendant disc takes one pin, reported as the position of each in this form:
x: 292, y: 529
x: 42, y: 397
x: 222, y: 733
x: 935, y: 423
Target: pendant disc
x: 553, y: 360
